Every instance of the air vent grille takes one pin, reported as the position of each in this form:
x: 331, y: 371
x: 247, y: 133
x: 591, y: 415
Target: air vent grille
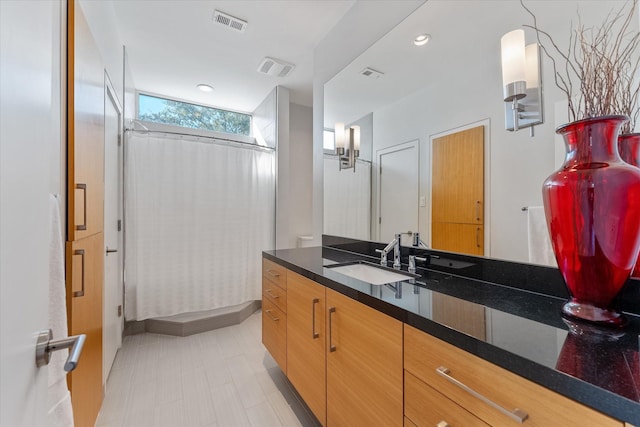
x: 371, y: 73
x: 275, y: 67
x: 229, y: 21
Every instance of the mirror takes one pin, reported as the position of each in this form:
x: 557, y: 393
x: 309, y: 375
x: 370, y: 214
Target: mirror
x: 452, y: 83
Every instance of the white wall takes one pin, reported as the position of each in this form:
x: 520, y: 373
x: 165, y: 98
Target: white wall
x: 300, y: 169
x: 102, y: 21
x: 361, y: 26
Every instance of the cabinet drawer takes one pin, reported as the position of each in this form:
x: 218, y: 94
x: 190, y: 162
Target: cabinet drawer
x: 274, y: 332
x: 275, y: 294
x: 427, y: 407
x: 424, y: 354
x: 274, y: 272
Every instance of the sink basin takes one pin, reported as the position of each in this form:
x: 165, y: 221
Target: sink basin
x: 371, y: 273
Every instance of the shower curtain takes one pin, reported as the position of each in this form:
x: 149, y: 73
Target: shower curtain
x: 197, y: 216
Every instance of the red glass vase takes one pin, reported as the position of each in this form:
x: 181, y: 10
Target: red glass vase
x: 629, y: 148
x: 592, y: 208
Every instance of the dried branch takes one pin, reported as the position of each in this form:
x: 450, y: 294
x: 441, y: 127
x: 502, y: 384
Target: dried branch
x: 603, y: 61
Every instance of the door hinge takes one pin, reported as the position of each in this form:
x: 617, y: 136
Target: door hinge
x: 120, y: 311
x: 119, y: 140
x: 119, y: 225
x: 379, y: 220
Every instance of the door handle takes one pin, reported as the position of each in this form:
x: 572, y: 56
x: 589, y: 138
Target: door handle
x: 44, y: 347
x: 83, y: 187
x: 80, y: 293
x: 111, y: 251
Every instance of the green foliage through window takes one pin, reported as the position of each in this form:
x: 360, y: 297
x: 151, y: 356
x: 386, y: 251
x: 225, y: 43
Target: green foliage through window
x: 177, y: 113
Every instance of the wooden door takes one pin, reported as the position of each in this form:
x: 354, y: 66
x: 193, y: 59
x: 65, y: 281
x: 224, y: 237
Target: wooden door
x: 306, y: 360
x: 85, y: 211
x: 462, y: 238
x: 457, y: 196
x: 85, y: 270
x: 364, y: 365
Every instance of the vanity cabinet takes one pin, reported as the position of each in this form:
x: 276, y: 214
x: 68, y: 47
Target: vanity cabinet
x: 438, y: 371
x: 306, y: 338
x: 364, y: 365
x: 274, y: 314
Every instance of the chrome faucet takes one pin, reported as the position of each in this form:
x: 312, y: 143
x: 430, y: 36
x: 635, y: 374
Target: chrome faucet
x: 417, y: 241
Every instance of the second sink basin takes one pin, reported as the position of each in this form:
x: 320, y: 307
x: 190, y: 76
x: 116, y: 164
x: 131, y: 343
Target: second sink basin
x: 371, y: 273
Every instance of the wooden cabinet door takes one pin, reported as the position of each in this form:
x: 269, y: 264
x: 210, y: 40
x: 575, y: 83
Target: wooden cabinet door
x: 364, y: 365
x: 461, y: 238
x: 274, y: 331
x: 85, y: 274
x: 457, y: 193
x: 306, y: 357
x: 85, y: 126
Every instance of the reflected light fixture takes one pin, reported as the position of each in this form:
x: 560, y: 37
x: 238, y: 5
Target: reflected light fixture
x: 205, y: 87
x: 522, y: 86
x: 421, y: 39
x: 347, y: 145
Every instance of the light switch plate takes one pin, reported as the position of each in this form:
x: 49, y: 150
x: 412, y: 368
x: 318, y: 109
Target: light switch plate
x: 423, y: 201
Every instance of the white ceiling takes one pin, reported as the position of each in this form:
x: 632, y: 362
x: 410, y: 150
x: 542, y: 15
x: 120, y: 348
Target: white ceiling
x: 174, y: 45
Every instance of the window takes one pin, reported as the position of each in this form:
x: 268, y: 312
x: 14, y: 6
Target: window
x: 178, y: 113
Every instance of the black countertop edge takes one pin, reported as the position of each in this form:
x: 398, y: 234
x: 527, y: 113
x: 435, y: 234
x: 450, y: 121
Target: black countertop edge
x: 588, y: 394
x: 595, y: 397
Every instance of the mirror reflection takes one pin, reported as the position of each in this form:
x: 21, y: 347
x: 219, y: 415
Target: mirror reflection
x: 435, y: 156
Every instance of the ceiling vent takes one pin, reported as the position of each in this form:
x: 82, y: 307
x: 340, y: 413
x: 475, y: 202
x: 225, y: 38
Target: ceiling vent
x: 229, y: 21
x: 275, y: 67
x: 371, y: 73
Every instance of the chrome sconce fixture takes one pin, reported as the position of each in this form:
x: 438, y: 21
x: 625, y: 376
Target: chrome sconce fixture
x: 347, y: 146
x: 521, y: 79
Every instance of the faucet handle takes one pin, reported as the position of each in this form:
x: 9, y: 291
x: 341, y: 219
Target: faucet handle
x: 383, y: 256
x: 413, y: 259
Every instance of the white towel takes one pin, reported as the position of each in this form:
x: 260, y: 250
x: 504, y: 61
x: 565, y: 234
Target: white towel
x: 540, y: 249
x: 58, y: 397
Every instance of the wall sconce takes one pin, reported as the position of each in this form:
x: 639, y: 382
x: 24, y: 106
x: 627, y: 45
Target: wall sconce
x: 521, y: 78
x: 347, y: 146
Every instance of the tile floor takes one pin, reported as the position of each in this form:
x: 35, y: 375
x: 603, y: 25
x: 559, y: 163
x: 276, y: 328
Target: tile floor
x: 222, y: 378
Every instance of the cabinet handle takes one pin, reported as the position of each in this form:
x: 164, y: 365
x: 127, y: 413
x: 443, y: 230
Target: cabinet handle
x: 478, y: 237
x: 268, y: 292
x: 273, y: 273
x: 443, y: 423
x: 80, y: 293
x: 83, y: 187
x: 275, y: 319
x: 516, y: 415
x: 478, y: 210
x: 332, y: 347
x: 314, y: 334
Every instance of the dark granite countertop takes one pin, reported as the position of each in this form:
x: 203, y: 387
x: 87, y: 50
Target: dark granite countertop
x: 523, y: 333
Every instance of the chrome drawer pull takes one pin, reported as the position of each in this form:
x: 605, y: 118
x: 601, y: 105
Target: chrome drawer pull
x: 314, y: 334
x: 332, y: 347
x: 268, y: 292
x: 516, y: 415
x: 83, y: 226
x: 273, y: 273
x: 275, y: 319
x: 443, y: 423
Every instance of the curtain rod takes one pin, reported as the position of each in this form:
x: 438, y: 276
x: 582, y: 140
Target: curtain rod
x: 213, y: 138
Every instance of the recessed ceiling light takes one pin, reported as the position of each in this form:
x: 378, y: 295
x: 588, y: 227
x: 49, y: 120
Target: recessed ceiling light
x: 421, y: 39
x: 205, y: 88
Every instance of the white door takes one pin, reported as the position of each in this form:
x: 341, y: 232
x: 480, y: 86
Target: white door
x: 29, y: 140
x: 112, y: 311
x: 398, y: 191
